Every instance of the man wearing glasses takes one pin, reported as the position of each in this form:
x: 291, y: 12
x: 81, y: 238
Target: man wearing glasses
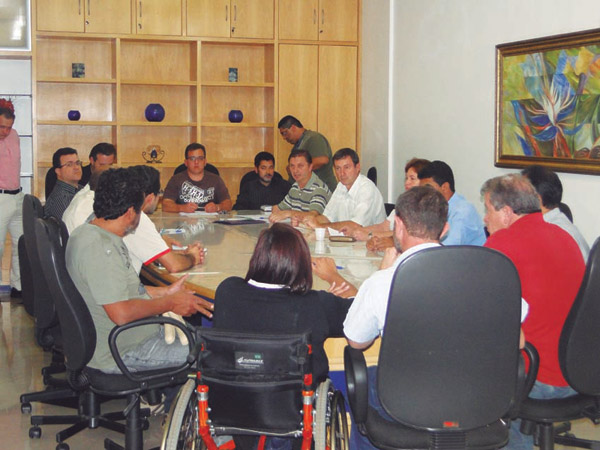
x: 196, y: 188
x: 67, y: 167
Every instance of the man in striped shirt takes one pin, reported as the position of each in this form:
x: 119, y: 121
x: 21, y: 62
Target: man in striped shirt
x: 309, y: 194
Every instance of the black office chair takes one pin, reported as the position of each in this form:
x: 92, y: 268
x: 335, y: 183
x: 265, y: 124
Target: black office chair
x: 252, y: 384
x: 94, y: 386
x: 449, y: 367
x: 47, y: 331
x: 372, y: 174
x: 580, y: 364
x: 209, y: 167
x: 252, y: 175
x: 389, y: 207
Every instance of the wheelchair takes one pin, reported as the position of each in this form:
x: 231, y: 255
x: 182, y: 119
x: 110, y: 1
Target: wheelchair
x: 257, y: 385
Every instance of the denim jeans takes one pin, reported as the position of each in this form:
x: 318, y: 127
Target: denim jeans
x: 520, y: 441
x: 357, y: 440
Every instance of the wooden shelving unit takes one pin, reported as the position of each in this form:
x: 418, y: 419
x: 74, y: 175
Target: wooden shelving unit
x: 188, y: 75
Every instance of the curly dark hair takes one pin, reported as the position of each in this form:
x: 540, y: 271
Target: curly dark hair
x: 150, y: 178
x: 117, y: 191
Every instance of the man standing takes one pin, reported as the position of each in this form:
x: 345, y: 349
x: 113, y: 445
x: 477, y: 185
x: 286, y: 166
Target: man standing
x: 550, y: 267
x: 356, y: 199
x: 11, y: 197
x: 315, y: 143
x: 308, y: 195
x: 67, y: 167
x: 100, y: 266
x: 102, y: 156
x: 466, y: 227
x: 195, y: 187
x: 548, y: 186
x: 264, y: 188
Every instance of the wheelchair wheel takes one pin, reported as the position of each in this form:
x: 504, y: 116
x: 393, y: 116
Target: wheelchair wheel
x: 181, y: 428
x: 338, y: 433
x: 322, y: 414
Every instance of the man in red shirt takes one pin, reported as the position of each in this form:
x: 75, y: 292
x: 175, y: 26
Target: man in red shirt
x: 550, y: 267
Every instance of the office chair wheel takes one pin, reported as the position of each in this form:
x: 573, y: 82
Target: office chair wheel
x: 145, y: 425
x: 338, y: 438
x: 35, y: 433
x: 26, y: 408
x: 62, y: 446
x: 181, y: 429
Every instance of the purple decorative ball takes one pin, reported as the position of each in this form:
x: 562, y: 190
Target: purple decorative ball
x: 155, y: 112
x: 235, y: 116
x: 74, y: 115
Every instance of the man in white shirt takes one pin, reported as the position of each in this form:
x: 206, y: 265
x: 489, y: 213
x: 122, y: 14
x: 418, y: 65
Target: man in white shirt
x: 356, y: 199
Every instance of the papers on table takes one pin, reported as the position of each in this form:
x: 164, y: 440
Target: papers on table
x: 333, y: 232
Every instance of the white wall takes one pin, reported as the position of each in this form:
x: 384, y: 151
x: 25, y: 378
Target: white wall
x: 444, y: 79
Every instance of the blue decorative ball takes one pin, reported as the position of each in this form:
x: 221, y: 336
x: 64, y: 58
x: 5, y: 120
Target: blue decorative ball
x: 74, y: 115
x: 155, y: 112
x: 235, y: 116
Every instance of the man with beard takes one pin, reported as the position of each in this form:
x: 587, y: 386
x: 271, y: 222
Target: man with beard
x: 100, y: 266
x: 264, y: 185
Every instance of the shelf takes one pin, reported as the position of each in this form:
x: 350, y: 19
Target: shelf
x: 236, y: 84
x: 76, y: 80
x: 158, y: 124
x: 239, y: 125
x: 229, y: 165
x: 94, y: 123
x: 158, y: 83
x: 141, y: 161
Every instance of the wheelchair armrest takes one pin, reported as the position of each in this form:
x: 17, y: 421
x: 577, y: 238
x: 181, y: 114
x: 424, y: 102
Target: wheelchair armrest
x: 114, y: 350
x: 357, y: 387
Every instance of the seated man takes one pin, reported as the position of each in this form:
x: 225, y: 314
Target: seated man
x: 100, y: 266
x: 145, y: 244
x: 550, y: 267
x: 67, y: 167
x: 308, y: 195
x: 548, y: 185
x: 264, y: 188
x: 466, y: 227
x: 195, y: 187
x: 102, y: 155
x: 355, y: 201
x: 81, y: 208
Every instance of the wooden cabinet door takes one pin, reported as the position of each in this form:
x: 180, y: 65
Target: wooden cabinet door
x: 158, y: 17
x: 338, y: 20
x: 108, y: 16
x: 298, y: 83
x: 299, y: 19
x: 208, y: 18
x: 252, y: 19
x: 338, y: 95
x: 60, y: 15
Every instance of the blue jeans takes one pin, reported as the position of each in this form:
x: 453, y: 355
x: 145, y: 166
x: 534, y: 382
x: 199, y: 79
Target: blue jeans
x: 357, y: 440
x: 520, y: 441
x: 154, y: 353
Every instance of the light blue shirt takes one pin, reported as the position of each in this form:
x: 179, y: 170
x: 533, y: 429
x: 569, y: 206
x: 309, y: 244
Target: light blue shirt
x: 466, y: 227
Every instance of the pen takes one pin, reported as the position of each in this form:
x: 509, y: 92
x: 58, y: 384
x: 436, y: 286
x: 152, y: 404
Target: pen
x: 339, y: 267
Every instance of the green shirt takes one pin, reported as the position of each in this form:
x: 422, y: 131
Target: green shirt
x: 312, y: 197
x: 317, y: 145
x: 100, y: 267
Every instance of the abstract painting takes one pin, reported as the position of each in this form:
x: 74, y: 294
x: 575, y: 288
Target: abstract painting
x: 548, y: 103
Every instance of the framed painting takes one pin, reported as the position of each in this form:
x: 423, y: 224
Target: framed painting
x: 548, y: 103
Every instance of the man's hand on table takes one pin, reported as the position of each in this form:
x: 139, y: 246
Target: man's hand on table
x: 211, y: 207
x: 184, y: 302
x: 378, y: 244
x: 325, y: 268
x: 196, y: 251
x: 188, y: 207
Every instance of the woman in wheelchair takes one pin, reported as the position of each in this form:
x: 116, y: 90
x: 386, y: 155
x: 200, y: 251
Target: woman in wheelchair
x: 275, y: 298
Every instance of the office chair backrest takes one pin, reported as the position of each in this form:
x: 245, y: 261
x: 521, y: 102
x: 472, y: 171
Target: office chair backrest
x: 43, y: 306
x: 76, y: 324
x: 209, y: 167
x: 578, y: 344
x: 450, y: 348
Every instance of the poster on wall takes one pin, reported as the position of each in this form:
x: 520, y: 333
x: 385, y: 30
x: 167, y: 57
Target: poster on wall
x: 548, y: 103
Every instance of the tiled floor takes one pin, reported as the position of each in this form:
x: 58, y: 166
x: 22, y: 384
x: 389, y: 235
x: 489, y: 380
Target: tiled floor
x: 20, y: 363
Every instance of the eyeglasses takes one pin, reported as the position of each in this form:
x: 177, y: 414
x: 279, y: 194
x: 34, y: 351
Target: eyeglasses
x: 195, y: 158
x: 71, y: 164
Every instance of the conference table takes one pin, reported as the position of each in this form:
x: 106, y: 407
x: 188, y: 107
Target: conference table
x: 229, y: 241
